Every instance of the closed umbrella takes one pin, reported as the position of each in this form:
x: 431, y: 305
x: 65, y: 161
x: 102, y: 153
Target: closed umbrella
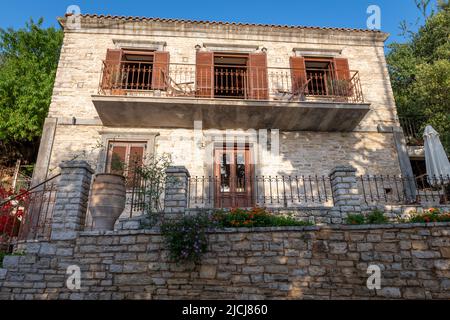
x: 438, y: 166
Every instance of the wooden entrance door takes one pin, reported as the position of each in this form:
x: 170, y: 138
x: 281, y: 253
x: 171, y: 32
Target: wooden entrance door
x: 233, y: 171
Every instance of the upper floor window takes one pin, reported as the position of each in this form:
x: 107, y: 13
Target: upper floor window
x: 231, y: 75
x: 134, y: 70
x: 319, y: 72
x: 321, y: 76
x: 137, y: 69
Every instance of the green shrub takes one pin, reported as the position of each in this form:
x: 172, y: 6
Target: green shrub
x: 256, y: 217
x: 355, y: 219
x: 376, y: 217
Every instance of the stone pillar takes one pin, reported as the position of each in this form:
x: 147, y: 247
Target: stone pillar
x: 176, y: 192
x: 345, y: 190
x: 71, y: 200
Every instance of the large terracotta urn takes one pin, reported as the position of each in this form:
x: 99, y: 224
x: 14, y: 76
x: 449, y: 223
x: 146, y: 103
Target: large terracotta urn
x: 107, y: 200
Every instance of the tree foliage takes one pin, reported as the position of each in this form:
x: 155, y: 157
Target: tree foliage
x: 28, y: 62
x: 420, y: 73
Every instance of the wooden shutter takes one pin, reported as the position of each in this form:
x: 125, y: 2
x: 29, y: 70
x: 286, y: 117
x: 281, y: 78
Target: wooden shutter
x: 111, y: 69
x: 160, y: 70
x: 298, y: 73
x: 136, y: 155
x: 341, y: 68
x: 342, y: 85
x: 204, y: 74
x: 135, y: 160
x: 124, y: 158
x: 117, y: 158
x: 257, y: 76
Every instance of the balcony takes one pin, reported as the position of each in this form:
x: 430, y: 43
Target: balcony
x: 141, y: 94
x: 413, y: 130
x: 413, y: 127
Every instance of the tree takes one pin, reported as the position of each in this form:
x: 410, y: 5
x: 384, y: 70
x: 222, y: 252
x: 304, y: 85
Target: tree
x: 420, y: 73
x: 28, y: 61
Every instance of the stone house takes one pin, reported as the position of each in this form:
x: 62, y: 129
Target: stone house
x: 231, y: 102
x: 276, y: 116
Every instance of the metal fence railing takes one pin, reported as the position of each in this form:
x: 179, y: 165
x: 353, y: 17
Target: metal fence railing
x: 261, y: 191
x: 413, y: 130
x: 231, y: 81
x: 390, y: 189
x: 28, y: 215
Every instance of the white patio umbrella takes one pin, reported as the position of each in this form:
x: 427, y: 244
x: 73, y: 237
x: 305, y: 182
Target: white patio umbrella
x: 438, y: 166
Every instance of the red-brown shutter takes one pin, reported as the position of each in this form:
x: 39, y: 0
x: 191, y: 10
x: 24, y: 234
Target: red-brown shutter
x: 342, y: 86
x: 117, y: 158
x: 298, y: 73
x: 204, y: 74
x: 342, y: 69
x: 257, y: 76
x: 135, y: 161
x: 160, y: 70
x: 136, y: 155
x: 111, y: 69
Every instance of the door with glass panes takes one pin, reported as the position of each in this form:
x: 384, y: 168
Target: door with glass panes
x: 233, y: 171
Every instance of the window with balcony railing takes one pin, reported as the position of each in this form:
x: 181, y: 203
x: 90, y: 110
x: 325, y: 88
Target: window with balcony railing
x: 230, y: 76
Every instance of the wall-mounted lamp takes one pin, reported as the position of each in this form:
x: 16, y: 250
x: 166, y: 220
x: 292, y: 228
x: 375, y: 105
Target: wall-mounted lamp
x: 263, y: 49
x: 198, y: 47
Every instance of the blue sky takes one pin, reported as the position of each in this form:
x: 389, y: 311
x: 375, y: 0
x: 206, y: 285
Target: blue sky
x: 333, y: 13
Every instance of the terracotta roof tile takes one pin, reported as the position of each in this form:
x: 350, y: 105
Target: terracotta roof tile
x: 132, y: 18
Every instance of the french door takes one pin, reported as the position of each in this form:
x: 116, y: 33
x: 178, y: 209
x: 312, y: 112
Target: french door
x: 233, y: 171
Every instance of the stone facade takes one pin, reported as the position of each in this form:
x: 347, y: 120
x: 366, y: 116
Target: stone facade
x: 263, y: 263
x: 79, y: 129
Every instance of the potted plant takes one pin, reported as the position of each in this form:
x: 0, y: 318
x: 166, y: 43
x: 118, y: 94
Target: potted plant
x: 108, y: 196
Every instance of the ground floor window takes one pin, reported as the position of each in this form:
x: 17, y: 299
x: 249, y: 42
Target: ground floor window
x: 124, y: 157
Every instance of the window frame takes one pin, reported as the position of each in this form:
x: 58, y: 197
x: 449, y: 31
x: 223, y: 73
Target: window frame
x: 107, y: 136
x: 128, y: 145
x: 331, y: 70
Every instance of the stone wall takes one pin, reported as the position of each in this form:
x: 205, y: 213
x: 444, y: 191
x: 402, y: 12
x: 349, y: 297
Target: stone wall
x: 301, y: 153
x: 263, y: 263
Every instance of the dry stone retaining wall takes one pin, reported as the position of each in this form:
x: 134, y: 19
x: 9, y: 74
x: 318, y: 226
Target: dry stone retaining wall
x: 263, y: 263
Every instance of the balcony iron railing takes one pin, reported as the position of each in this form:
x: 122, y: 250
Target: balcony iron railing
x: 391, y: 189
x: 230, y: 81
x: 413, y: 129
